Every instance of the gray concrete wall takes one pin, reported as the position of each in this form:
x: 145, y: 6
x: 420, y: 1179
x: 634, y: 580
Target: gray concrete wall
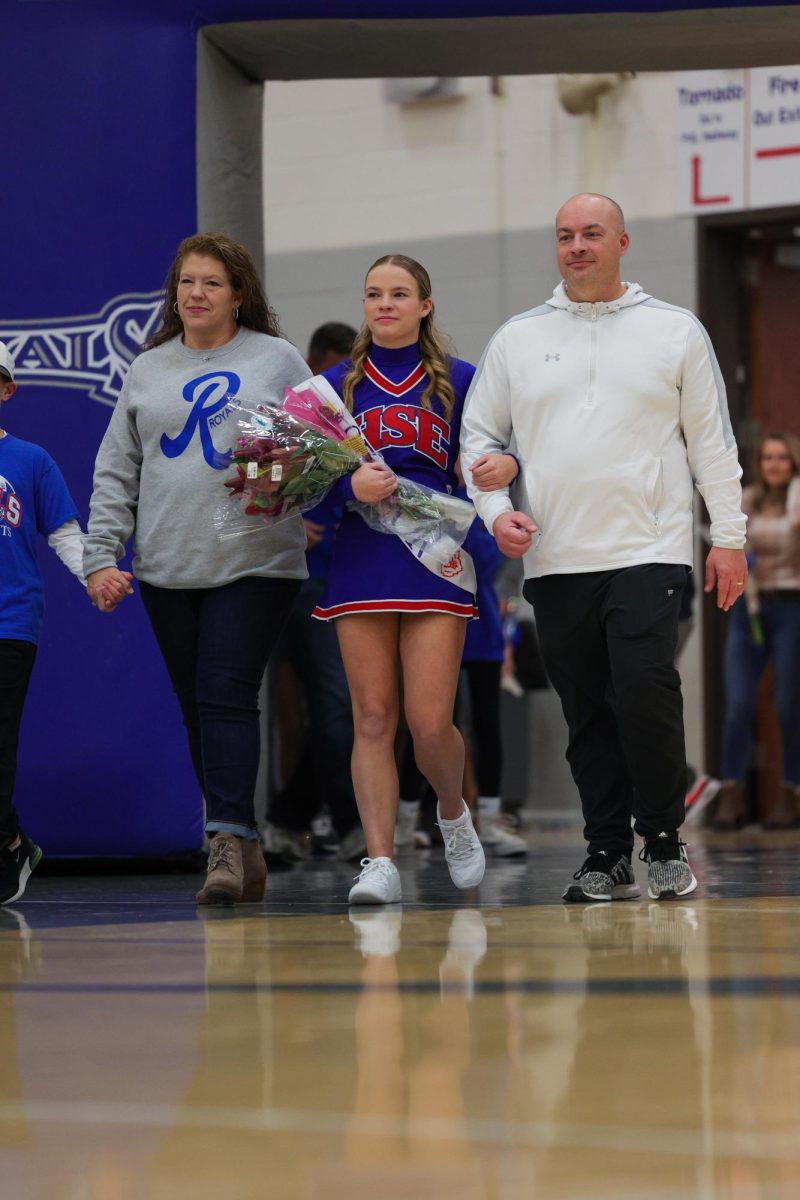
x: 479, y: 281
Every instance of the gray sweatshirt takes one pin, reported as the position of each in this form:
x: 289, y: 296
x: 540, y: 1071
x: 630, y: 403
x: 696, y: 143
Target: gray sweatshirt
x: 161, y: 466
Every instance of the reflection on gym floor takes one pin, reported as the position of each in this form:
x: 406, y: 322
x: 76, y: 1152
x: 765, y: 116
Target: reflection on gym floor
x: 482, y: 1051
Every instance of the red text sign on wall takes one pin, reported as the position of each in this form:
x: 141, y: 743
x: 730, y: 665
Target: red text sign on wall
x: 738, y: 139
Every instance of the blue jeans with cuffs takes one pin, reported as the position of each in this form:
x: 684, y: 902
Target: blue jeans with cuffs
x: 216, y: 643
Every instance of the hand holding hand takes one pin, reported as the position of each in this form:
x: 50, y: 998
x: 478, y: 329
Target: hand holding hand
x: 513, y: 532
x: 727, y: 569
x: 107, y: 587
x: 493, y: 471
x: 373, y: 482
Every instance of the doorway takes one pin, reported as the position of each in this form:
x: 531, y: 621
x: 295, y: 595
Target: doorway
x: 749, y: 290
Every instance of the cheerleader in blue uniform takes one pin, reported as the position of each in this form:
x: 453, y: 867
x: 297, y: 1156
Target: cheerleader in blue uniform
x: 394, y: 616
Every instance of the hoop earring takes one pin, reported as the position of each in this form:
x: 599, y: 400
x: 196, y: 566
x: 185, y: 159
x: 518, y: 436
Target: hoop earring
x: 236, y: 314
x: 175, y: 307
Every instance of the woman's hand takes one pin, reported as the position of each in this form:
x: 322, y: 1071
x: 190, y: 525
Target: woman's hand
x: 107, y: 587
x: 373, y: 482
x: 493, y: 471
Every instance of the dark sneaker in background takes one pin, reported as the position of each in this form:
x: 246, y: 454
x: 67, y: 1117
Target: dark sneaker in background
x: 285, y: 845
x: 16, y: 866
x: 603, y: 878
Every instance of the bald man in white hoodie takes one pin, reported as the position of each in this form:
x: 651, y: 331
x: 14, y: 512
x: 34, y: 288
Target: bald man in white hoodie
x: 618, y: 409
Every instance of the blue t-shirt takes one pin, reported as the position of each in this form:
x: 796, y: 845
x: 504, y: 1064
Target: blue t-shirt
x: 33, y: 499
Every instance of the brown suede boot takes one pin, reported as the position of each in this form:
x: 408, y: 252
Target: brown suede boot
x: 728, y: 807
x: 225, y: 875
x: 785, y: 812
x: 255, y: 872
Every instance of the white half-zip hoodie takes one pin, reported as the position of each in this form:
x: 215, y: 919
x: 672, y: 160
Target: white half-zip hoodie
x: 616, y: 408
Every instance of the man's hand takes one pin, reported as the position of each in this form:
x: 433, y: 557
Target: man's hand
x: 107, y: 587
x: 513, y: 532
x: 727, y: 570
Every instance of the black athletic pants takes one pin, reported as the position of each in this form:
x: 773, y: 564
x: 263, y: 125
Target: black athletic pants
x: 608, y: 640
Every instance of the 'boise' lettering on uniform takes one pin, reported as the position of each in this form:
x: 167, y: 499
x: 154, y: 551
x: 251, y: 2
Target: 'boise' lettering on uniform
x: 388, y: 427
x: 213, y: 399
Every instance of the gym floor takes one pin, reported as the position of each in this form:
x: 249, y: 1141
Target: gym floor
x: 495, y: 1045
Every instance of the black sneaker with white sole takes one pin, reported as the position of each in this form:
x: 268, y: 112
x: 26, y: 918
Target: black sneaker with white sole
x: 15, y: 868
x: 602, y: 877
x: 668, y: 872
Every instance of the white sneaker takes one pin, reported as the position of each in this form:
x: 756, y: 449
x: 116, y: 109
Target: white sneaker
x: 497, y: 837
x: 466, y: 946
x: 378, y: 883
x: 379, y: 932
x: 463, y: 851
x: 406, y: 824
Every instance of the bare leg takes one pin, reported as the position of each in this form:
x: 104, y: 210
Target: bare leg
x: 369, y: 645
x: 431, y: 645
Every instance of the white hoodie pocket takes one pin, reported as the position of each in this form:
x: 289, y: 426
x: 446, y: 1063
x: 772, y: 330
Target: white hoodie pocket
x: 608, y: 511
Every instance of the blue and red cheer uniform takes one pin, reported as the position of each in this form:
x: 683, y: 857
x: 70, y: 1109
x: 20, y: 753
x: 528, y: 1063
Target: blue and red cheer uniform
x: 372, y: 571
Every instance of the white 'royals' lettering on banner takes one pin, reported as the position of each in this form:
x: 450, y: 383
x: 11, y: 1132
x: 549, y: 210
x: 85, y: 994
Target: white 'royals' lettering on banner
x: 91, y: 352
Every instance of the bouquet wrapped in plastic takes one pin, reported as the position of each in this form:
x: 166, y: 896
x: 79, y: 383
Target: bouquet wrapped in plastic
x: 288, y: 456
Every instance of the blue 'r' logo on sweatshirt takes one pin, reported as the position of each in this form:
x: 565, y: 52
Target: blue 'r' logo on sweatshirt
x: 213, y: 399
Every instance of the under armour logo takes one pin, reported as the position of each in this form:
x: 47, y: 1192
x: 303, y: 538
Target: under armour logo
x: 552, y: 358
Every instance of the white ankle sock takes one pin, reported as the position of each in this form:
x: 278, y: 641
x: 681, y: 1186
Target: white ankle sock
x: 488, y: 806
x: 456, y: 820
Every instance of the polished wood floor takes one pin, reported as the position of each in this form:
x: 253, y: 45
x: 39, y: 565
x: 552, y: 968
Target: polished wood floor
x: 489, y: 1046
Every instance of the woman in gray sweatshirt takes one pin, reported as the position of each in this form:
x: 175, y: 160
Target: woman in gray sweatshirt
x: 216, y: 607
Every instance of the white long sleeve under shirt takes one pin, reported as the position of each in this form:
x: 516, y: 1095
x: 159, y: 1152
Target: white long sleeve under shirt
x: 618, y: 410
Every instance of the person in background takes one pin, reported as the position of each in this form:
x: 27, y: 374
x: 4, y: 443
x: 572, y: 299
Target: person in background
x: 33, y: 500
x: 701, y: 787
x: 216, y: 606
x: 482, y: 666
x: 394, y: 617
x: 768, y: 628
x: 320, y: 777
x: 617, y: 406
x: 329, y: 345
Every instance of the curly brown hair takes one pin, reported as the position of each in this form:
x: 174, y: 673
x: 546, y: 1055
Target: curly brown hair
x: 433, y: 343
x: 254, y: 311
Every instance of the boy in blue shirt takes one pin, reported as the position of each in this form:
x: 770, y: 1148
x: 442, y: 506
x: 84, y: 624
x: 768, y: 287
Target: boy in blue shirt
x: 33, y: 499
